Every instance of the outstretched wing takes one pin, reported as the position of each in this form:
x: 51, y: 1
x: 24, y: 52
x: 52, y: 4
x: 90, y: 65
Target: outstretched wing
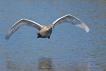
x: 21, y: 22
x: 71, y: 19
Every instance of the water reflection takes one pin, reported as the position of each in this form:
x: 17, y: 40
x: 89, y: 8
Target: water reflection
x: 45, y: 64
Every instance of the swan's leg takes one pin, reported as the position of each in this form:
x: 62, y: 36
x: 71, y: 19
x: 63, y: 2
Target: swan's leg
x: 48, y: 37
x: 38, y: 35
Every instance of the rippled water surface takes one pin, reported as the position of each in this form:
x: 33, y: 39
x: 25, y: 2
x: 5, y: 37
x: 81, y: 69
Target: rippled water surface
x: 69, y: 48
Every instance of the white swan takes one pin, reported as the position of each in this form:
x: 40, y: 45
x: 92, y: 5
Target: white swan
x: 45, y: 31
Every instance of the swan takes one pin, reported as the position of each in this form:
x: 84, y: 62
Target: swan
x: 46, y: 30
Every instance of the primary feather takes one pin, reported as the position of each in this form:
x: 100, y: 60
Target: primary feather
x: 20, y: 23
x: 71, y: 19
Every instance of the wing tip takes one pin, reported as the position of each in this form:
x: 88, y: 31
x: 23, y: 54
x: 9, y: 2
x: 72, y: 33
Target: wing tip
x: 7, y: 37
x: 87, y: 29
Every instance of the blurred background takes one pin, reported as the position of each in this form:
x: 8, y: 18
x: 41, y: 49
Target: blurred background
x: 69, y: 48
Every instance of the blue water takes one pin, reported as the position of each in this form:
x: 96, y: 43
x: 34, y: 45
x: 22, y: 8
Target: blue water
x: 70, y: 48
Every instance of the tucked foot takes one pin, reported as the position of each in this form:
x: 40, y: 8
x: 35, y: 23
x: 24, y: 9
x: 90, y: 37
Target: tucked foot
x: 38, y: 35
x: 48, y: 37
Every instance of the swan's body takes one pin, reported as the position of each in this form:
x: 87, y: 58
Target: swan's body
x: 45, y: 31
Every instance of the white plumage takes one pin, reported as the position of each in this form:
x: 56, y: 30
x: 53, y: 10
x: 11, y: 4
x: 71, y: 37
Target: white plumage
x: 45, y: 31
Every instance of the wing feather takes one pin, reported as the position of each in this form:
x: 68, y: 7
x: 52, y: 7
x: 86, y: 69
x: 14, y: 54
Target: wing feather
x: 20, y: 23
x: 71, y: 19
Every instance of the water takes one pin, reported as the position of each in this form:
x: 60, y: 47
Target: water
x: 69, y: 48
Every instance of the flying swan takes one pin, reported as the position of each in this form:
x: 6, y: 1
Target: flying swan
x: 45, y: 31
